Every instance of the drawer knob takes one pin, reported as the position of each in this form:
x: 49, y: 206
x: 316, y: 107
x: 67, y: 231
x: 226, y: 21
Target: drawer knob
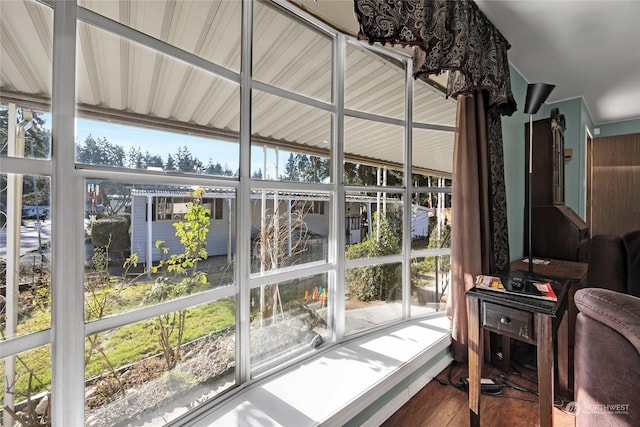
x: 505, y: 320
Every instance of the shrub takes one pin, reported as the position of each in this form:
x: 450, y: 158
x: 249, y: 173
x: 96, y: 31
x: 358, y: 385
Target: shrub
x: 437, y: 241
x: 192, y: 232
x: 112, y: 232
x: 376, y: 281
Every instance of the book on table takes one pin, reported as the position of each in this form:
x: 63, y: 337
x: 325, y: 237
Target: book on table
x: 518, y: 286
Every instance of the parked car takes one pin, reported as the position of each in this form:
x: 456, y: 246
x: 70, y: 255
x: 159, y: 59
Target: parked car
x: 32, y: 212
x: 99, y: 210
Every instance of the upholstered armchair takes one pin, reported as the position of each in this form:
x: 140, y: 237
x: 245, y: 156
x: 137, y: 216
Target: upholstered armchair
x: 607, y: 358
x: 614, y: 263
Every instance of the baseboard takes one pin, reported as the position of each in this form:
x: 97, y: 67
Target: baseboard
x: 408, y: 392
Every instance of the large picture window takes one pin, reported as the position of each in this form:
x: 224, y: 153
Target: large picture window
x: 205, y: 222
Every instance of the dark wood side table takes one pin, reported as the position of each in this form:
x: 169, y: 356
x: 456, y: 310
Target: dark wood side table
x: 576, y: 274
x: 527, y: 319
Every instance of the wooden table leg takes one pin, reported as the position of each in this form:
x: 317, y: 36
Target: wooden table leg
x: 545, y: 368
x: 506, y: 354
x: 475, y: 354
x: 564, y: 363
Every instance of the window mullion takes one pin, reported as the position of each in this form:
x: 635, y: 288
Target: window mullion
x: 408, y: 185
x: 243, y: 224
x: 337, y: 235
x: 66, y: 236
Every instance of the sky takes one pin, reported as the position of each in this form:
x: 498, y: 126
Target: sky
x: 164, y: 143
x: 160, y: 143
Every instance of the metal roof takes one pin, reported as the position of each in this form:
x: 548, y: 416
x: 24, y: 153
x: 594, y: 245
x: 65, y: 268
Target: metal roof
x: 212, y: 192
x: 133, y: 84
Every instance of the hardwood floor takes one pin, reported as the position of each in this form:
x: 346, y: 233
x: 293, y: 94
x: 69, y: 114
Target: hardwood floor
x: 438, y: 405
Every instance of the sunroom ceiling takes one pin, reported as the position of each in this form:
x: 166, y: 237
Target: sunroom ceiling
x: 132, y: 84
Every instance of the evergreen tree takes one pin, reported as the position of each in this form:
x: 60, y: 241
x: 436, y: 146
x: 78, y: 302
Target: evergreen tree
x: 135, y: 159
x: 116, y: 154
x: 301, y: 167
x: 304, y: 167
x: 318, y: 169
x: 185, y: 162
x: 351, y: 174
x: 212, y: 169
x: 38, y: 139
x: 171, y: 164
x: 37, y: 144
x: 91, y: 152
x: 229, y: 172
x: 4, y: 125
x: 100, y: 152
x: 153, y: 161
x: 291, y: 169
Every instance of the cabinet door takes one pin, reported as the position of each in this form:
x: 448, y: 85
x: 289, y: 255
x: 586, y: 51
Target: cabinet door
x: 542, y: 174
x: 548, y: 160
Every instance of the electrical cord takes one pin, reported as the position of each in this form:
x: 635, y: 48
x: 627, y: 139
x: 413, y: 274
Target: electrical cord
x: 515, y: 386
x: 506, y: 396
x: 464, y: 386
x: 516, y: 371
x: 459, y: 385
x: 560, y: 403
x: 504, y: 382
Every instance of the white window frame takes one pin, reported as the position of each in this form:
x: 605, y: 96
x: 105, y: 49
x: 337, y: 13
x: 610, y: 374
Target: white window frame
x: 68, y: 330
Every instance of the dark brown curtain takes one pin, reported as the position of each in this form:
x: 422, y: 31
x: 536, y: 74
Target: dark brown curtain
x: 479, y: 235
x: 456, y: 36
x: 470, y: 179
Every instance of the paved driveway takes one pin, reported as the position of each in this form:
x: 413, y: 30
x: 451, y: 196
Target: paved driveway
x: 28, y: 237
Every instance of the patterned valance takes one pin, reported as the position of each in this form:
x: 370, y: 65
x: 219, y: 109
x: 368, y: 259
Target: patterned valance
x: 446, y: 35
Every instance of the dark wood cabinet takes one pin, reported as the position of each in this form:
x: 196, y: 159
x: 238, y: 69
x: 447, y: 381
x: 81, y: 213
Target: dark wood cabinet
x: 548, y: 159
x: 527, y: 319
x: 576, y: 274
x: 557, y: 231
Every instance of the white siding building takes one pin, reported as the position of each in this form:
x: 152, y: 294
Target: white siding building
x: 166, y: 207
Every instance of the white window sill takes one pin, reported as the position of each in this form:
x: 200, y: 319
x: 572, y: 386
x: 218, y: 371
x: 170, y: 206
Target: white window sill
x: 341, y: 383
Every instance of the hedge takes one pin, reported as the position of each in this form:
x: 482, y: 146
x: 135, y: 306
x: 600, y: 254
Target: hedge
x: 115, y: 227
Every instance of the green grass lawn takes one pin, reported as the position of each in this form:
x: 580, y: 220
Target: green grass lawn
x: 131, y: 343
x: 138, y: 341
x: 121, y: 346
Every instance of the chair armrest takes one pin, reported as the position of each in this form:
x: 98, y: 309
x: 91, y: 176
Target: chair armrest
x: 620, y: 312
x: 632, y: 245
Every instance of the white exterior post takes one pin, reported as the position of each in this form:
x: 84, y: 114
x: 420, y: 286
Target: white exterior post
x: 149, y: 234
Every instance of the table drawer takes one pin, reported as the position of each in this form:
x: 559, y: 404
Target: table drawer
x: 508, y: 321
